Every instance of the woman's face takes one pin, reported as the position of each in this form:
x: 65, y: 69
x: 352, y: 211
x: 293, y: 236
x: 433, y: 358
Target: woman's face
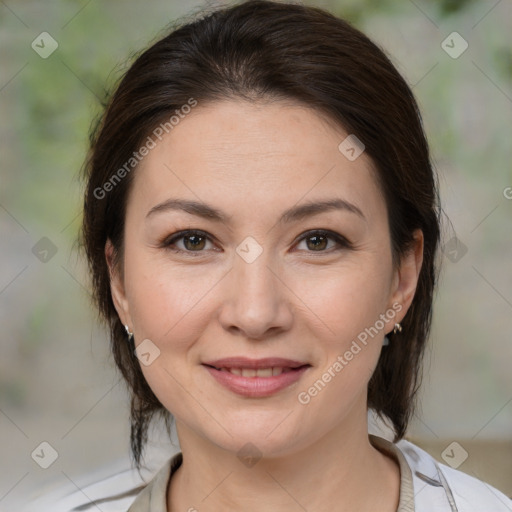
x: 259, y: 277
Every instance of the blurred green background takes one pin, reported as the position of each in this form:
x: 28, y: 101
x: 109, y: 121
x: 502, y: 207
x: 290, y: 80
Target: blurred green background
x: 57, y: 381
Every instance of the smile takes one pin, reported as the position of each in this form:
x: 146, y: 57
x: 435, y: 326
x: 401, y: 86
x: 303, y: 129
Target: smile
x: 261, y: 372
x: 256, y: 382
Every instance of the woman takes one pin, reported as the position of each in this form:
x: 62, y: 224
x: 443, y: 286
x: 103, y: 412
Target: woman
x: 262, y: 221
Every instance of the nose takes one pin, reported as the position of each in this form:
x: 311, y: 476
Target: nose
x: 256, y: 299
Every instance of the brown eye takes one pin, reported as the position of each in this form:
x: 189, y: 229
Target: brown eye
x: 318, y: 241
x: 195, y: 242
x: 191, y: 242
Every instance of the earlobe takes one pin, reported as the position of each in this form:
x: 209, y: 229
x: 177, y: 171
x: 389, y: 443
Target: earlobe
x: 117, y: 285
x: 407, y: 275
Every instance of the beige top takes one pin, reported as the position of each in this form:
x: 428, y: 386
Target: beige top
x: 153, y: 498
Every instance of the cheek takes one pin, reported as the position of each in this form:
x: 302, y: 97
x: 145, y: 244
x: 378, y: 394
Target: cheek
x: 346, y: 300
x: 167, y: 301
x: 346, y: 311
x: 170, y: 306
x: 346, y: 306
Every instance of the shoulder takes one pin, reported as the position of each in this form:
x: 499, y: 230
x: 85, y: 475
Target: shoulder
x: 116, y: 492
x: 153, y: 497
x: 440, y: 483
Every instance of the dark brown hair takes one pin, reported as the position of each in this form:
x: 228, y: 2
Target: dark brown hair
x: 261, y: 50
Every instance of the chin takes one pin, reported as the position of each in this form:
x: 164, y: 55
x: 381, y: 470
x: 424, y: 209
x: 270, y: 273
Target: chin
x: 268, y: 434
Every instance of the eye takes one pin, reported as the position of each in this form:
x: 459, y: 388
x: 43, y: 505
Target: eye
x: 318, y: 240
x: 193, y: 241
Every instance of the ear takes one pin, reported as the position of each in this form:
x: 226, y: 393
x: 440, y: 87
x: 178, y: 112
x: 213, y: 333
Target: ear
x: 405, y: 279
x: 117, y: 287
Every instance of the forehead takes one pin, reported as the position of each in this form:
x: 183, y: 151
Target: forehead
x: 255, y: 155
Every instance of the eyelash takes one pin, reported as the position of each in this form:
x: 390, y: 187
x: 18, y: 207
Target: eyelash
x: 169, y: 241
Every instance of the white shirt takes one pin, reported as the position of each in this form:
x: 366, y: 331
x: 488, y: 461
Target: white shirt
x: 425, y: 486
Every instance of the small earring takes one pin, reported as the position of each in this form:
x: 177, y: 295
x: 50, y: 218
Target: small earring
x: 130, y: 334
x: 385, y: 342
x: 397, y: 328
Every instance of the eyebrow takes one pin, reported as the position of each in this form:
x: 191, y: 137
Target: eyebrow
x: 294, y: 213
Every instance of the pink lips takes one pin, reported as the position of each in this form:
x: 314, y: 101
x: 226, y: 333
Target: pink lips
x: 256, y: 386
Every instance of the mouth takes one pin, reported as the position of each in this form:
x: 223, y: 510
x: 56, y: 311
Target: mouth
x: 256, y: 378
x: 260, y: 372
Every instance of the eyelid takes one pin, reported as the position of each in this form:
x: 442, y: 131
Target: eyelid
x: 342, y: 241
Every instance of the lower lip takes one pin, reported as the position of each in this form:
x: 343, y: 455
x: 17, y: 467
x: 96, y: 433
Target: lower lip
x: 256, y: 387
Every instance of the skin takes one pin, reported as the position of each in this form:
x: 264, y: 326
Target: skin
x: 297, y: 301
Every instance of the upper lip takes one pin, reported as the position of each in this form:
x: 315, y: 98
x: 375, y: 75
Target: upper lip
x: 266, y: 362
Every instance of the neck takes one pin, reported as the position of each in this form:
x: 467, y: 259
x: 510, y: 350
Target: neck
x: 341, y: 471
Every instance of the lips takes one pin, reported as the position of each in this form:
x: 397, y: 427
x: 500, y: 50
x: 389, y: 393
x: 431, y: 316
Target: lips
x: 245, y: 362
x: 256, y: 377
x: 259, y: 372
x: 266, y: 367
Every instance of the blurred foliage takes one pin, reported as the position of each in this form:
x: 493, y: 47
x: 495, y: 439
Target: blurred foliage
x: 359, y: 10
x: 453, y: 6
x: 13, y: 392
